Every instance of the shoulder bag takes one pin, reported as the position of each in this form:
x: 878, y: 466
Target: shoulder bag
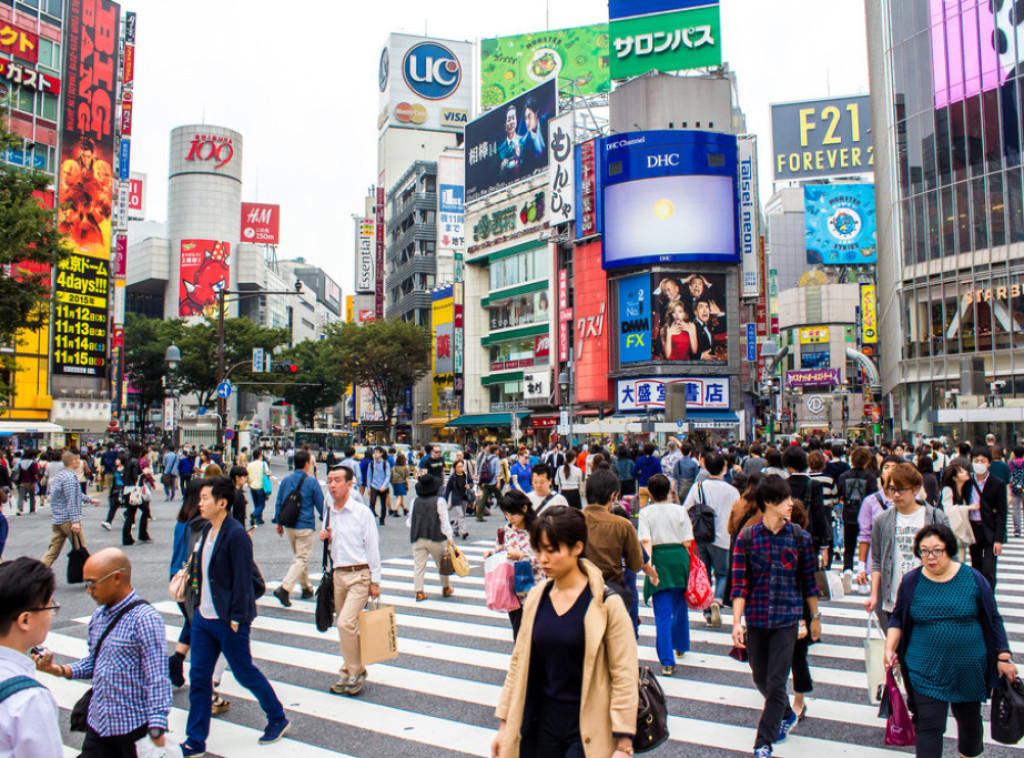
x: 76, y: 559
x: 324, y: 615
x: 291, y: 508
x: 702, y: 518
x: 80, y: 712
x: 268, y: 486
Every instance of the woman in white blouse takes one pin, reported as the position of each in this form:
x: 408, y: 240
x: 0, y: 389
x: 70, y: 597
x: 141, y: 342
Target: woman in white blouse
x: 568, y: 478
x: 956, y: 506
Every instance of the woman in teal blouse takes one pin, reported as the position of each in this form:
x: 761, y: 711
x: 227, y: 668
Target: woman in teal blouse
x: 951, y: 643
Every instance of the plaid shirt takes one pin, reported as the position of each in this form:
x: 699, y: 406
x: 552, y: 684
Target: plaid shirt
x: 765, y: 574
x: 65, y: 497
x: 131, y: 687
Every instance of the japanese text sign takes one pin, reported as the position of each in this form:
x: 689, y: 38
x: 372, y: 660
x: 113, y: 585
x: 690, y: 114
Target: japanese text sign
x: 80, y: 315
x: 19, y: 42
x: 705, y: 393
x: 561, y: 192
x: 672, y: 41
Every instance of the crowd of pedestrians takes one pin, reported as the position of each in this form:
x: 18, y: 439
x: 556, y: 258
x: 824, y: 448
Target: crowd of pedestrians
x: 580, y: 527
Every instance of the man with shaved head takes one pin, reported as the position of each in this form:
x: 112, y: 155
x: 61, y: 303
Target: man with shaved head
x: 127, y: 662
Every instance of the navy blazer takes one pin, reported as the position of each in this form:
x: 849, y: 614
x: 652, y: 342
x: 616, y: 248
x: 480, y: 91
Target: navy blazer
x: 991, y: 623
x: 231, y: 573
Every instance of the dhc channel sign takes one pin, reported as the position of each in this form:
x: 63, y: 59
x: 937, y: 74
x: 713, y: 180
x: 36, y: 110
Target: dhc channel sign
x: 432, y: 71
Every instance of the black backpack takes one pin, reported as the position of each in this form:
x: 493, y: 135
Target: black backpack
x: 702, y: 517
x: 855, y: 489
x: 291, y: 508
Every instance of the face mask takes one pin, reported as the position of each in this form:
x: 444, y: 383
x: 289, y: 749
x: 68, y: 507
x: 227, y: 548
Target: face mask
x: 980, y: 469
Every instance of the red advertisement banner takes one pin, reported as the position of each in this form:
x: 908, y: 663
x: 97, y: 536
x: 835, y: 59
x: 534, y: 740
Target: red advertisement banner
x: 128, y: 73
x: 87, y: 153
x: 121, y: 256
x: 591, y: 326
x: 261, y: 223
x: 135, y: 195
x: 29, y: 78
x: 19, y: 42
x: 126, y: 118
x: 204, y: 273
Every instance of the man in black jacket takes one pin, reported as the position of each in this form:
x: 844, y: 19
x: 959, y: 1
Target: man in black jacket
x: 810, y: 493
x: 988, y: 523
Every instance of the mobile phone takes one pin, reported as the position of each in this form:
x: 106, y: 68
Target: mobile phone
x: 501, y: 538
x: 39, y: 650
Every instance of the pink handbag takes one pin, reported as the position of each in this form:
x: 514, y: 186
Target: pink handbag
x: 499, y: 584
x: 899, y: 729
x: 699, y: 592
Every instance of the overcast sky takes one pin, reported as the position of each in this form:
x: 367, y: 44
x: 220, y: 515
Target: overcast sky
x: 301, y: 87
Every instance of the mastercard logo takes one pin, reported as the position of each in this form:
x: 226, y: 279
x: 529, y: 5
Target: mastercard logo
x: 407, y: 113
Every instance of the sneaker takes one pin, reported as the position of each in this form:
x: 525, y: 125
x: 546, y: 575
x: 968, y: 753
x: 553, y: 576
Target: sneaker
x: 275, y: 731
x: 847, y: 581
x: 176, y: 670
x: 307, y: 594
x: 765, y: 751
x: 190, y: 751
x: 715, y: 616
x: 105, y: 524
x: 282, y: 595
x: 786, y: 727
x: 355, y: 684
x: 668, y: 670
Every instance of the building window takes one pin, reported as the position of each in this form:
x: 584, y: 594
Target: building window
x: 519, y: 311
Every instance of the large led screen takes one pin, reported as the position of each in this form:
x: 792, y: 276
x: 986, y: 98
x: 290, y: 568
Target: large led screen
x: 839, y: 222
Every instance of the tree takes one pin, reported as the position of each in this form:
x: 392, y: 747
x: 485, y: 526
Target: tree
x: 318, y: 383
x: 29, y: 245
x: 145, y: 344
x: 386, y: 356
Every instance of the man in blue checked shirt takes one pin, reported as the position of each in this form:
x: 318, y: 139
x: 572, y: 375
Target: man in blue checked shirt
x: 773, y: 569
x: 66, y: 498
x: 131, y: 688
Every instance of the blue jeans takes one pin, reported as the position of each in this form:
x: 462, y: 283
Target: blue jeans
x: 633, y: 608
x: 672, y: 623
x: 210, y: 638
x: 259, y: 502
x: 716, y: 561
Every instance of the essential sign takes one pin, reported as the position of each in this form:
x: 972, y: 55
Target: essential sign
x: 822, y: 138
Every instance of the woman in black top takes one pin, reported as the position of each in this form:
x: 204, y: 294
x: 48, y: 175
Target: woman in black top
x: 459, y: 493
x: 926, y: 466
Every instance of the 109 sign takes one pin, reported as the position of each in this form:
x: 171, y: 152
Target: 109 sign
x: 211, y: 147
x: 431, y: 71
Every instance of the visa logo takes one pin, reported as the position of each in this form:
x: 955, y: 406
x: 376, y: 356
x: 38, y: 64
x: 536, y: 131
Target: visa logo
x: 454, y: 117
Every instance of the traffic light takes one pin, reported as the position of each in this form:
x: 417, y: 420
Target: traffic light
x: 285, y: 367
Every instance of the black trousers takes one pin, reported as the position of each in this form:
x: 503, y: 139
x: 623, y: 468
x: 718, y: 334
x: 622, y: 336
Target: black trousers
x: 850, y: 534
x: 114, y: 502
x: 115, y: 746
x: 381, y: 495
x: 771, y: 656
x: 930, y: 723
x: 802, y: 681
x: 556, y: 733
x: 983, y: 558
x: 516, y: 618
x: 129, y: 522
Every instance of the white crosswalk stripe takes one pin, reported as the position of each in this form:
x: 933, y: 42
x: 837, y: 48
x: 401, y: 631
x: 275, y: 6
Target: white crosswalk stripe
x: 437, y: 698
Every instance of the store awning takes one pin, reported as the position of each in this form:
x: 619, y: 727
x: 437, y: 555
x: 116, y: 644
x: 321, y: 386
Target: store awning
x: 29, y: 427
x: 436, y: 421
x: 712, y: 419
x: 487, y: 419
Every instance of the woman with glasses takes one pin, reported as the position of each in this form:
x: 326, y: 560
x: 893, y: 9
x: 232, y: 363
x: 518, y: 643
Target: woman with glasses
x: 893, y: 554
x: 947, y: 636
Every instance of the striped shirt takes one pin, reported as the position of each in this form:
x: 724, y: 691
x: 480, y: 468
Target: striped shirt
x: 65, y: 498
x: 131, y: 687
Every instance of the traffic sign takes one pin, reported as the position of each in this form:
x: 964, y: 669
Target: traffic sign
x: 229, y: 434
x: 201, y: 411
x: 224, y: 390
x: 679, y: 423
x: 257, y: 359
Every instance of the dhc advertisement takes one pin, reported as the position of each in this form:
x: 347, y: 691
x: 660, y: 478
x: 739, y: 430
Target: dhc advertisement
x: 668, y: 196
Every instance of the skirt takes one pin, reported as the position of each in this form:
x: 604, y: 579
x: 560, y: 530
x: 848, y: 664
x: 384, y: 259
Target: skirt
x: 400, y: 489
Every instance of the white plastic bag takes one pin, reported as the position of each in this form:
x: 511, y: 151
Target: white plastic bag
x: 874, y: 660
x: 145, y: 748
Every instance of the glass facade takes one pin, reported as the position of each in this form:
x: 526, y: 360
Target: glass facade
x: 520, y: 268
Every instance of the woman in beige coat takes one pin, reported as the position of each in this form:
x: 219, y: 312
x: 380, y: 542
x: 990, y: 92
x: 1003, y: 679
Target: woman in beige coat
x: 578, y: 698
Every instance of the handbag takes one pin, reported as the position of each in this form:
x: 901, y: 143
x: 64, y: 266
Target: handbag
x: 460, y: 563
x: 80, y: 712
x: 268, y: 486
x: 699, y: 592
x: 523, y: 573
x: 76, y: 559
x: 177, y: 588
x: 324, y: 615
x: 1008, y: 711
x: 874, y: 661
x: 446, y: 567
x: 899, y: 729
x: 651, y: 714
x: 499, y: 583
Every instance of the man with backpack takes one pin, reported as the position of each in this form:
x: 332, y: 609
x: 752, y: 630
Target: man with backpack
x: 810, y: 493
x: 299, y: 501
x: 709, y: 503
x: 490, y: 472
x: 852, y: 487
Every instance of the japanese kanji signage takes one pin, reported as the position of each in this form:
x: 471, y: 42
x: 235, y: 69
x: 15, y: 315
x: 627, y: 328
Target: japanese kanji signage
x: 500, y: 223
x: 586, y: 190
x: 814, y: 335
x: 442, y: 319
x: 704, y: 393
x: 670, y: 41
x: 19, y: 42
x: 561, y: 190
x: 451, y: 204
x: 817, y: 377
x: 590, y: 326
x: 80, y: 315
x: 29, y: 78
x: 537, y: 386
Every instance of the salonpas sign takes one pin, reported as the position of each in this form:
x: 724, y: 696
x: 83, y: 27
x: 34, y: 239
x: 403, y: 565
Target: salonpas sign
x: 643, y: 39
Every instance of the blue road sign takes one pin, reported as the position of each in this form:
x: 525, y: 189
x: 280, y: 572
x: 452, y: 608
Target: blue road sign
x: 229, y: 434
x: 679, y: 423
x: 201, y: 411
x: 224, y: 390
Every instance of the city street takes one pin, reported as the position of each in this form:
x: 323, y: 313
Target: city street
x: 437, y: 698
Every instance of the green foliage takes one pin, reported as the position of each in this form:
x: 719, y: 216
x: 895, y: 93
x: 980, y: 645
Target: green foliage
x: 386, y: 356
x: 145, y: 344
x: 318, y: 383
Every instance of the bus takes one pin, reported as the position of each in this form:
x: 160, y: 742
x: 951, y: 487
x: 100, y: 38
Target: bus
x: 323, y: 441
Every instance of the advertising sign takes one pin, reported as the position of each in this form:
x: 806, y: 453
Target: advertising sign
x: 868, y: 314
x: 815, y: 359
x: 839, y: 221
x: 587, y: 199
x: 542, y: 348
x: 425, y: 83
x: 668, y: 196
x: 822, y: 138
x: 537, y: 385
x: 91, y: 30
x: 817, y: 377
x: 814, y: 335
x: 204, y: 273
x: 365, y: 237
x: 510, y: 143
x: 564, y: 311
x: 451, y: 203
x: 962, y: 68
x: 562, y: 172
x: 137, y: 197
x: 523, y: 214
x: 28, y: 78
x: 752, y: 342
x: 750, y: 216
x: 80, y: 315
x: 19, y: 42
x: 702, y: 393
x: 261, y: 223
x: 577, y: 58
x: 378, y: 260
x: 590, y: 328
x: 678, y: 317
x: 666, y: 40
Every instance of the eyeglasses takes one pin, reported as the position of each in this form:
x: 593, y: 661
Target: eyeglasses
x: 91, y: 585
x: 936, y: 553
x: 54, y: 609
x: 903, y: 490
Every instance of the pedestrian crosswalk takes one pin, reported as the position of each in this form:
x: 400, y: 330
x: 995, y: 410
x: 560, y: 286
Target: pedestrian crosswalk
x: 437, y: 698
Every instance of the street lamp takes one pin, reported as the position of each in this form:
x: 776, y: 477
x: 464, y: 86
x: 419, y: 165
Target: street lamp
x: 565, y: 387
x: 173, y: 359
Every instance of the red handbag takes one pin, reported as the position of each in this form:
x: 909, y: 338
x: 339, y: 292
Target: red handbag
x: 699, y: 592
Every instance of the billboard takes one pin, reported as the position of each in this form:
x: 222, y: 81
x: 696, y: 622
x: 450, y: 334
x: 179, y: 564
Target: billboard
x: 868, y: 314
x: 425, y: 83
x: 137, y: 196
x: 451, y: 203
x: 750, y: 216
x: 366, y: 235
x: 204, y: 273
x: 91, y: 31
x: 80, y: 311
x: 819, y: 377
x: 576, y: 58
x: 669, y: 196
x: 442, y: 321
x: 815, y: 359
x: 590, y: 325
x: 839, y: 224
x: 965, y: 60
x: 492, y: 224
x: 510, y: 143
x: 706, y: 393
x: 678, y: 316
x: 814, y: 335
x: 261, y: 223
x: 822, y: 138
x: 19, y: 42
x: 562, y: 171
x: 675, y: 37
x: 588, y: 199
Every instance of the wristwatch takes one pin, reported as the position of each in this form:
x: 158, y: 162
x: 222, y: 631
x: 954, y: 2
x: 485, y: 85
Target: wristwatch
x: 816, y: 615
x: 156, y: 732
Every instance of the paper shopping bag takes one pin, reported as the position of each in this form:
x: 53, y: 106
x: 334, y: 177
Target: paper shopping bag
x: 874, y: 660
x: 378, y: 638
